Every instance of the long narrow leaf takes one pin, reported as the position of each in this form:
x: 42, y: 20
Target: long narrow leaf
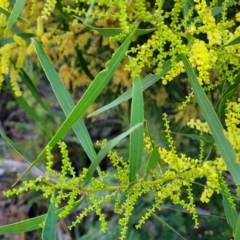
x: 30, y: 86
x: 89, y: 96
x: 230, y: 212
x: 185, y: 10
x: 110, y: 32
x: 155, y: 155
x: 168, y: 226
x: 17, y: 9
x: 25, y: 35
x: 64, y: 14
x: 136, y: 137
x: 6, y: 40
x: 227, y: 95
x: 153, y: 160
x: 65, y: 100
x: 111, y: 144
x: 147, y: 82
x: 7, y: 14
x: 237, y: 229
x: 204, y: 137
x: 217, y: 10
x: 49, y: 229
x: 83, y: 63
x: 214, y: 124
x: 33, y: 114
x: 232, y: 42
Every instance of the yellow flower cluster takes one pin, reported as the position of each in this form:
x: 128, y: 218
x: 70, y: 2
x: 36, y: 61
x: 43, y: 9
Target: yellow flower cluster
x: 65, y: 47
x: 234, y: 49
x: 21, y: 44
x: 3, y: 4
x: 181, y: 172
x: 177, y: 69
x: 190, y: 169
x: 40, y: 29
x: 200, y: 126
x: 214, y: 34
x: 202, y: 59
x: 184, y: 171
x: 48, y: 8
x: 145, y: 56
x: 213, y: 170
x: 233, y: 125
x: 7, y: 55
x: 237, y: 16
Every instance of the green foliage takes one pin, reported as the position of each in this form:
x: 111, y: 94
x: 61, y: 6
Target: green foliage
x: 193, y: 46
x: 49, y: 231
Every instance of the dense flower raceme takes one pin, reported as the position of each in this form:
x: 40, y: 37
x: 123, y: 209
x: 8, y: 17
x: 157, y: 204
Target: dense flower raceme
x: 232, y: 120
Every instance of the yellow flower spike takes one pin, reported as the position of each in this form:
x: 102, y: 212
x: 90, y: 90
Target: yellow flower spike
x: 48, y: 9
x: 66, y: 162
x: 49, y: 163
x: 21, y: 57
x: 174, y: 72
x: 33, y: 7
x: 232, y: 123
x: 5, y: 53
x: 169, y: 137
x: 200, y: 126
x: 200, y: 57
x: 20, y: 41
x: 40, y: 31
x: 148, y: 144
x: 14, y: 83
x: 3, y: 4
x: 237, y: 16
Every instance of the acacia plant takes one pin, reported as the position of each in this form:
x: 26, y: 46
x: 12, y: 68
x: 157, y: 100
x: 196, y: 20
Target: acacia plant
x: 195, y: 43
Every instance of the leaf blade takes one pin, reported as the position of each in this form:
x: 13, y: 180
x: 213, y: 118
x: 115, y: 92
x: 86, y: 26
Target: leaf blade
x: 65, y: 100
x: 136, y: 137
x: 231, y: 214
x: 49, y: 229
x: 17, y: 9
x: 228, y: 93
x: 111, y: 32
x: 28, y: 81
x: 7, y: 14
x: 233, y: 42
x: 237, y: 229
x: 214, y: 124
x: 103, y: 152
x: 153, y: 160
